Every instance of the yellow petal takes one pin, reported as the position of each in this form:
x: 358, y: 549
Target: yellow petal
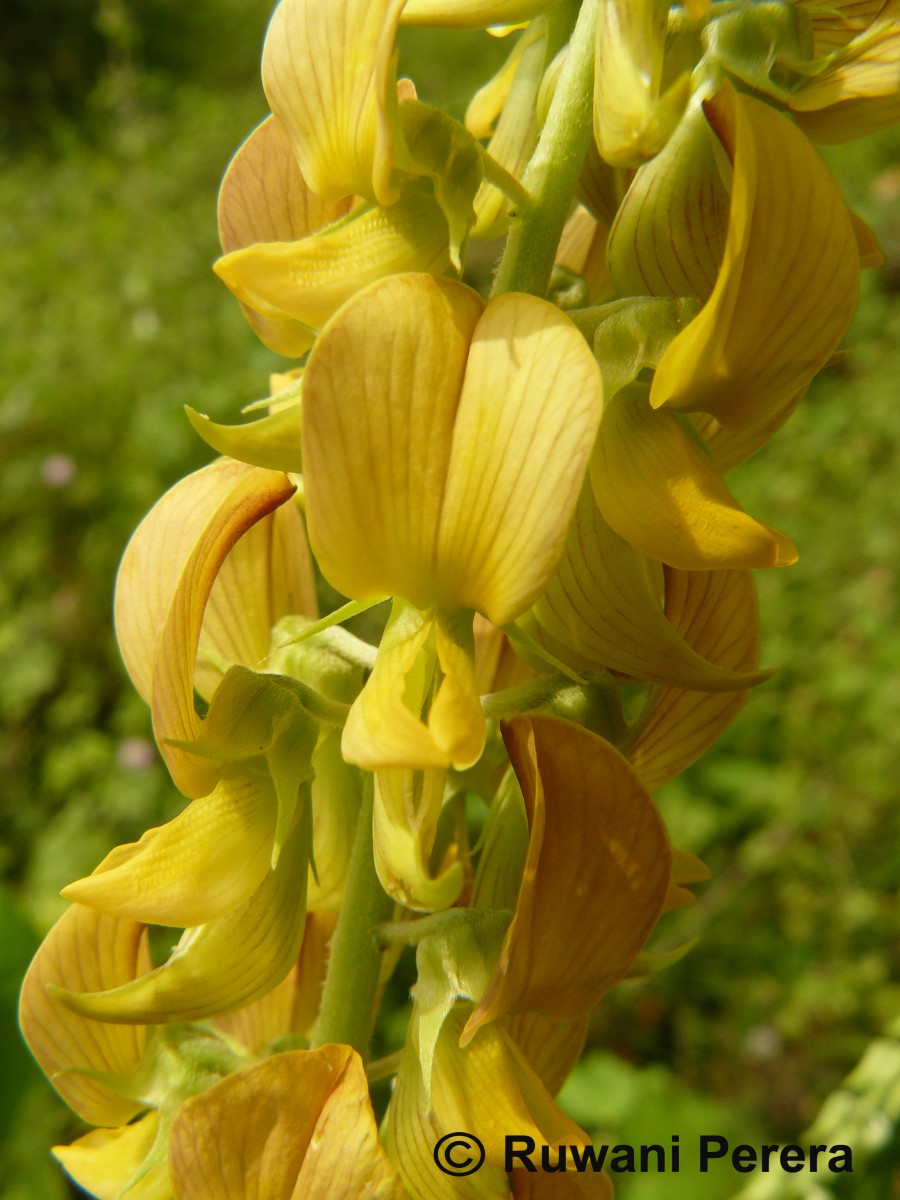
x: 308, y: 280
x: 582, y: 248
x: 858, y: 92
x: 280, y: 1130
x: 267, y: 574
x: 272, y: 441
x: 527, y: 419
x: 470, y: 14
x: 632, y: 121
x: 329, y: 75
x: 669, y: 232
x: 169, y: 569
x: 105, y: 1162
x: 222, y: 965
x: 788, y: 281
x: 251, y: 497
x: 264, y: 198
x: 292, y: 1006
x: 657, y: 490
x: 85, y: 950
x: 487, y: 1087
x: 601, y: 608
x: 730, y: 447
x: 407, y: 807
x: 391, y: 450
x: 595, y: 879
x: 513, y: 96
x: 377, y: 433
x: 206, y: 861
x: 716, y: 612
x: 411, y: 1134
x: 488, y: 102
x: 385, y: 727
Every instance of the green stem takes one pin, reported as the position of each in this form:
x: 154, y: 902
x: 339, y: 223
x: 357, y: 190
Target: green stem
x: 354, y: 966
x: 553, y: 171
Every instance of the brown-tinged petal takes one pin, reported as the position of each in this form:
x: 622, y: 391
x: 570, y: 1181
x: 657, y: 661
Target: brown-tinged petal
x: 298, y: 1126
x: 595, y: 878
x: 601, y: 608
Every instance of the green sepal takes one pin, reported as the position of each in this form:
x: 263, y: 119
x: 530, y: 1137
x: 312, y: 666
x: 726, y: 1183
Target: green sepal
x: 333, y: 661
x: 767, y: 46
x: 273, y: 441
x: 595, y: 705
x: 504, y: 848
x: 631, y: 335
x: 451, y: 158
x: 262, y: 716
x: 454, y: 963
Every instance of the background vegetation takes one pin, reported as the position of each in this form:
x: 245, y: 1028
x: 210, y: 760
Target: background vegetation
x: 116, y: 120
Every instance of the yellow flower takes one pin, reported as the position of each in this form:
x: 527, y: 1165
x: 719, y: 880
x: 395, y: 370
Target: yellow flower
x: 444, y: 443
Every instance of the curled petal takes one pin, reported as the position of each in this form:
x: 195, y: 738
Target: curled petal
x: 306, y: 281
x: 166, y: 579
x: 789, y: 277
x: 206, y: 861
x: 329, y: 74
x: 669, y: 231
x: 601, y: 609
x: 716, y: 612
x: 219, y: 966
x: 595, y: 878
x: 272, y: 441
x: 281, y: 1129
x: 264, y: 198
x: 89, y: 951
x: 657, y: 490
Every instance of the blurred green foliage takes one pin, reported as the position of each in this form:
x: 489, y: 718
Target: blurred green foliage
x: 118, y: 117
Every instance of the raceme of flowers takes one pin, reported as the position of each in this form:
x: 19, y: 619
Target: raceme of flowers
x: 525, y: 485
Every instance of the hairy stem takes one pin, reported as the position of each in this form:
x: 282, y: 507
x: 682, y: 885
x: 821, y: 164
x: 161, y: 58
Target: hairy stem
x: 553, y: 171
x: 351, y: 985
